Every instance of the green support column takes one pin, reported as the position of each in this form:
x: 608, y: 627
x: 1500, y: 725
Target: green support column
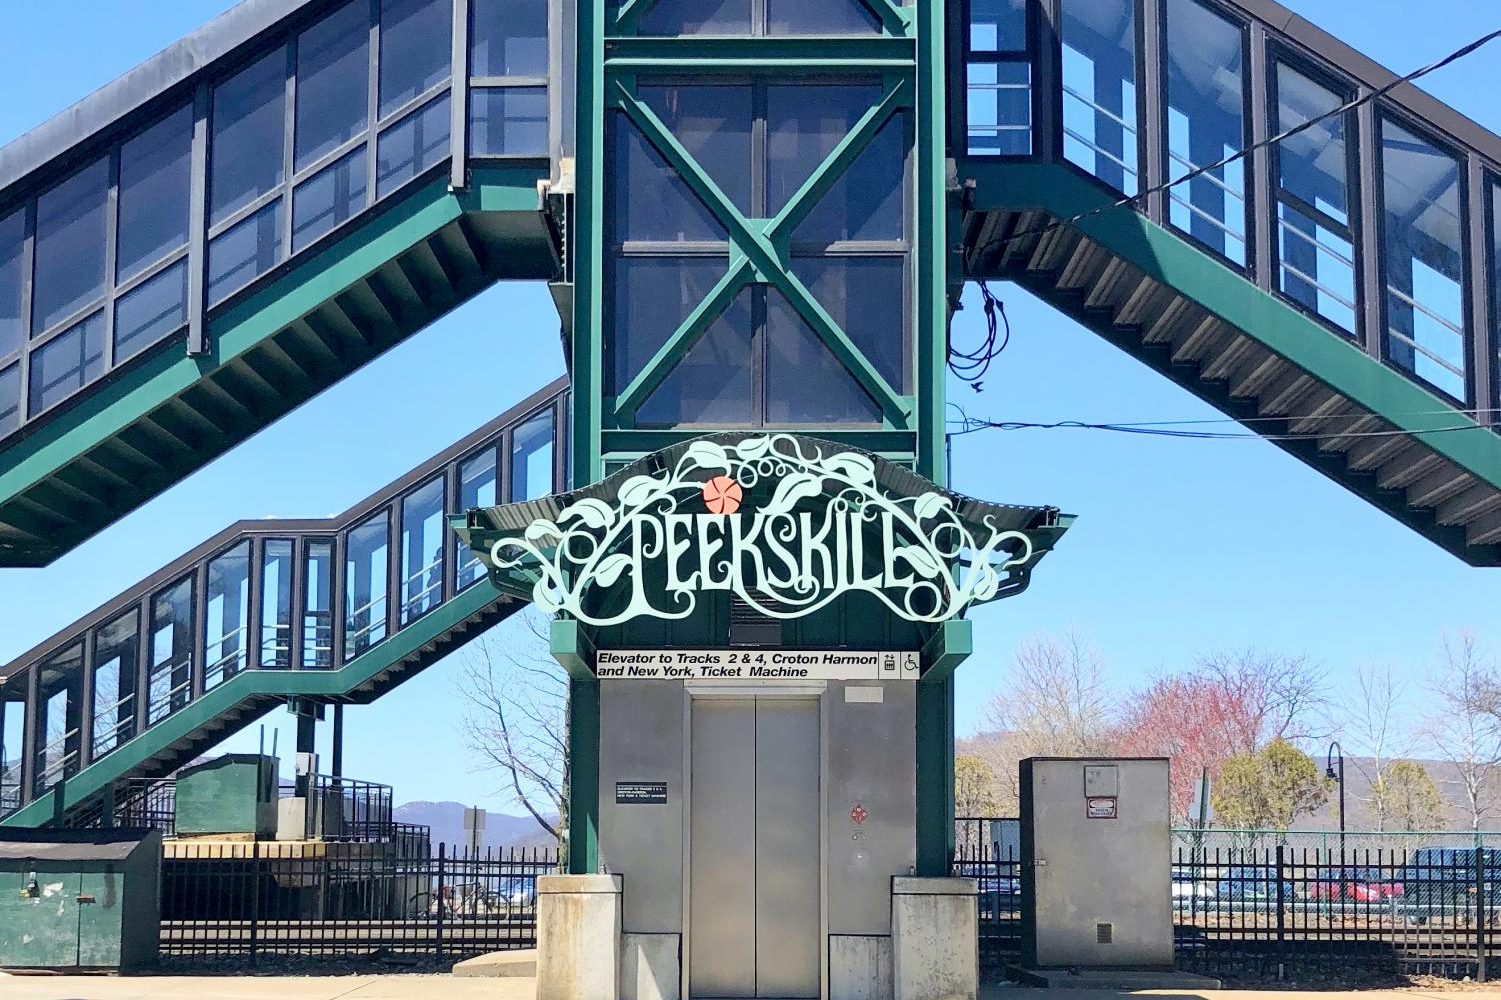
x: 935, y: 776
x: 583, y: 777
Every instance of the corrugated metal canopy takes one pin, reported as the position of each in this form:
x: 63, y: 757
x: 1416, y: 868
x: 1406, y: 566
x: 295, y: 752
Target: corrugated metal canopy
x: 896, y: 479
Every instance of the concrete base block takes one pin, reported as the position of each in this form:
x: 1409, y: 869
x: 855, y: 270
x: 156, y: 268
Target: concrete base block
x: 935, y: 939
x: 650, y: 966
x: 518, y: 964
x: 578, y: 937
x: 859, y: 968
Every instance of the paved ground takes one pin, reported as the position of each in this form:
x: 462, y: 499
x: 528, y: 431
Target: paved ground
x: 407, y: 987
x: 417, y: 987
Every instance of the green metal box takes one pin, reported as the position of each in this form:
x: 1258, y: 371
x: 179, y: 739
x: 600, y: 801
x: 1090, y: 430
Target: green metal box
x: 233, y: 794
x: 79, y: 899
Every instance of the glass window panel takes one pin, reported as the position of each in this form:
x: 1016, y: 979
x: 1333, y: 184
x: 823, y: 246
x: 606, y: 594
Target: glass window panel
x: 1312, y: 165
x: 154, y: 309
x: 1424, y: 260
x: 12, y: 281
x: 116, y: 649
x: 244, y: 252
x: 712, y: 384
x: 12, y: 735
x: 170, y: 676
x: 248, y: 125
x: 422, y: 530
x: 532, y: 458
x: 416, y: 45
x: 333, y: 82
x: 509, y: 121
x: 318, y: 607
x: 821, y: 17
x: 228, y: 616
x: 647, y: 199
x: 366, y: 584
x: 276, y: 604
x: 652, y: 296
x: 697, y: 17
x: 330, y: 197
x: 1205, y: 124
x: 10, y: 398
x: 155, y: 185
x: 804, y: 122
x: 1317, y: 266
x: 713, y: 123
x: 418, y: 142
x: 805, y: 383
x: 67, y: 363
x: 71, y: 220
x: 866, y: 202
x: 999, y: 108
x: 1495, y: 285
x: 477, y: 489
x: 998, y: 25
x: 508, y: 37
x: 1099, y: 89
x: 865, y: 296
x: 60, y: 717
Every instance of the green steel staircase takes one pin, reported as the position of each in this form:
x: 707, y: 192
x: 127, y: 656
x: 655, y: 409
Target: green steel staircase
x: 336, y: 610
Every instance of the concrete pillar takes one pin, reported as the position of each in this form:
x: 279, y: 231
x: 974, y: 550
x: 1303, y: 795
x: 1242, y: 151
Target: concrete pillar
x: 935, y: 938
x: 578, y: 937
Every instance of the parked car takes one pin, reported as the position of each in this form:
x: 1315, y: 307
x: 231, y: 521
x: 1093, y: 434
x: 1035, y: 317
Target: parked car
x: 998, y: 891
x: 1354, y: 885
x: 1440, y: 883
x: 1252, y: 887
x: 1186, y: 887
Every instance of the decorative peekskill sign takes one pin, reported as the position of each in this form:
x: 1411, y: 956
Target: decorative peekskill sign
x: 781, y: 522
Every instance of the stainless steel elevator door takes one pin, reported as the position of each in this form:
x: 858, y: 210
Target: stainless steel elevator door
x: 754, y: 849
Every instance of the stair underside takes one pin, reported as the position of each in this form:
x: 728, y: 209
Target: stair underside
x: 1232, y: 370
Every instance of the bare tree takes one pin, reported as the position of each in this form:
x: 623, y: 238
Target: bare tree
x: 1464, y: 726
x: 1280, y: 696
x: 516, y: 717
x: 1055, y: 703
x: 1373, y: 726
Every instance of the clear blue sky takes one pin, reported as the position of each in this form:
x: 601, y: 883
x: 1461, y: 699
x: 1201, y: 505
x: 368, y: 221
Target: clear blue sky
x: 1181, y: 546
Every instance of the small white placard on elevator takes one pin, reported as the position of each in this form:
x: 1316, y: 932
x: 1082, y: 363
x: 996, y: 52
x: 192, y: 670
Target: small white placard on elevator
x: 857, y: 694
x: 756, y: 665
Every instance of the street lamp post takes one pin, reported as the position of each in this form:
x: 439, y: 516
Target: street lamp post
x: 1338, y: 752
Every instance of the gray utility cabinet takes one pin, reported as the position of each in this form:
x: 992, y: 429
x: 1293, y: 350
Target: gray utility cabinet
x: 79, y: 899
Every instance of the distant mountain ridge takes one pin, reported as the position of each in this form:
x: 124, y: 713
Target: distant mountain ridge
x: 446, y: 820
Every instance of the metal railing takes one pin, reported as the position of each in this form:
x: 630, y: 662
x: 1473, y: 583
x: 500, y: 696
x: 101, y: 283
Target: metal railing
x: 1262, y: 904
x: 345, y: 809
x: 349, y: 903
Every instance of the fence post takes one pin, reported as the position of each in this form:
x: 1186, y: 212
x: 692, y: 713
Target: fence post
x: 255, y: 903
x: 1281, y: 912
x: 1481, y: 914
x: 439, y: 941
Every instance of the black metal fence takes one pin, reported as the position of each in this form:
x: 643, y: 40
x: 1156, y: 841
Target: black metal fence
x: 983, y: 851
x: 1245, y: 906
x: 348, y: 900
x: 1282, y: 910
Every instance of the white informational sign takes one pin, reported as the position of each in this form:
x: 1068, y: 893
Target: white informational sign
x: 755, y: 664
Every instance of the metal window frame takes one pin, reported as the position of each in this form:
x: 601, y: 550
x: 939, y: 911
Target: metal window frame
x: 1382, y: 113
